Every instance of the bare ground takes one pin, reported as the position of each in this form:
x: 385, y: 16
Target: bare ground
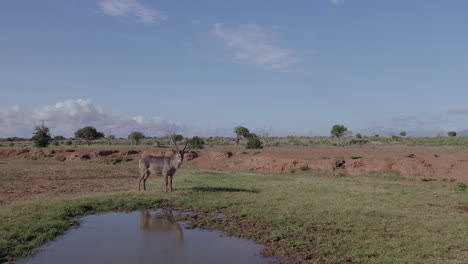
x: 31, y: 173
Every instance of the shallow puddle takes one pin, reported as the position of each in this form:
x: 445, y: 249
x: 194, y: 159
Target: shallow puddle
x: 145, y: 237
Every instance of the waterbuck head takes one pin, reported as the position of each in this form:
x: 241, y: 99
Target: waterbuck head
x: 179, y: 154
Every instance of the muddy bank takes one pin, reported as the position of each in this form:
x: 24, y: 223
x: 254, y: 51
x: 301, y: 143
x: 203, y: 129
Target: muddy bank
x: 420, y: 162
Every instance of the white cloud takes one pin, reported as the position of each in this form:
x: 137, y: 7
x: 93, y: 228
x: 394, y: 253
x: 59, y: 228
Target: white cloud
x: 252, y: 43
x: 133, y: 8
x: 64, y: 118
x: 15, y: 122
x: 458, y: 110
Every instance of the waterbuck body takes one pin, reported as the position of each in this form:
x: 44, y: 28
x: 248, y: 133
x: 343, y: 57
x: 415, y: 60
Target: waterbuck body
x: 160, y: 165
x: 164, y: 223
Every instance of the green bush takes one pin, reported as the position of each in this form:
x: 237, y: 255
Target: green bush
x: 136, y: 137
x: 88, y: 134
x: 254, y: 142
x: 41, y: 137
x: 294, y: 141
x: 461, y: 187
x: 196, y: 143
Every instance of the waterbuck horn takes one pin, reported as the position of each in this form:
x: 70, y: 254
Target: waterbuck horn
x: 186, y: 142
x: 175, y: 144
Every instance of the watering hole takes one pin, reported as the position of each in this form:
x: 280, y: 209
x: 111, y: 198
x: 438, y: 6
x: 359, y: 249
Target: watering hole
x: 145, y: 237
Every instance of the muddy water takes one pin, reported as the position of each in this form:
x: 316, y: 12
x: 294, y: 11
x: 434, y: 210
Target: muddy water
x: 145, y: 237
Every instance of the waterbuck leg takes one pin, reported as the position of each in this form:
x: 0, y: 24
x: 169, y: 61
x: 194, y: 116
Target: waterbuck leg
x: 170, y: 183
x: 165, y: 181
x: 147, y: 173
x: 142, y: 176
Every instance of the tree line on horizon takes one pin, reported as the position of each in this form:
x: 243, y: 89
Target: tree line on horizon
x: 42, y: 138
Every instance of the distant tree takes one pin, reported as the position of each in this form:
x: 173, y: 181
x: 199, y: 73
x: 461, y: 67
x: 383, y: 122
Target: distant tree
x: 452, y: 134
x: 136, y: 137
x: 16, y: 139
x: 88, y: 133
x: 294, y: 141
x: 339, y: 131
x: 41, y: 136
x: 264, y: 134
x: 241, y: 132
x: 358, y: 136
x: 110, y: 138
x: 59, y: 138
x: 177, y: 137
x: 196, y: 143
x: 253, y: 142
x: 403, y: 134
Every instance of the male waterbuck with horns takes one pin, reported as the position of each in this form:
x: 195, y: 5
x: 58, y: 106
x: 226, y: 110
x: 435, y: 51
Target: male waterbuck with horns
x: 160, y: 165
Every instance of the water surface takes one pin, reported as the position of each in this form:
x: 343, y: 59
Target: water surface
x: 145, y: 237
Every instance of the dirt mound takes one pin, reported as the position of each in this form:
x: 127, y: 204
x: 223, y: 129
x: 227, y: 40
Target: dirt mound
x: 429, y: 163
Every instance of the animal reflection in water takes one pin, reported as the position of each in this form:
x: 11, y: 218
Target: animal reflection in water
x: 161, y: 223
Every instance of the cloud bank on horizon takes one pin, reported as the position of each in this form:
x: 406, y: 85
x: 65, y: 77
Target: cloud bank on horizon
x: 67, y: 116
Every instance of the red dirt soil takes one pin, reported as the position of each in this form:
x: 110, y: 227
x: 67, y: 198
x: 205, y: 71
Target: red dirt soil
x: 27, y: 174
x: 422, y: 162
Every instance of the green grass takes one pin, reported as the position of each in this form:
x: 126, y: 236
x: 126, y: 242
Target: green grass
x: 305, y: 216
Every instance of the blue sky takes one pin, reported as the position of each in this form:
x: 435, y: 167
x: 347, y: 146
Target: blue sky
x: 203, y: 67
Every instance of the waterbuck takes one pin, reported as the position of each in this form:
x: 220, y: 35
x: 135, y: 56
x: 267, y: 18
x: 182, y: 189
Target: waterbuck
x: 160, y: 165
x: 161, y: 223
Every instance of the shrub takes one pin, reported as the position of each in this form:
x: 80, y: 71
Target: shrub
x: 69, y: 143
x: 358, y: 141
x: 356, y: 157
x: 338, y: 131
x: 136, y: 137
x: 196, y: 143
x: 41, y: 137
x: 461, y: 187
x: 452, y: 134
x: 254, y: 142
x: 55, y: 143
x: 88, y: 133
x: 304, y: 168
x: 177, y: 137
x: 59, y: 138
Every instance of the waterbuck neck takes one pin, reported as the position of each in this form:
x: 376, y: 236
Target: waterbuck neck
x: 176, y: 160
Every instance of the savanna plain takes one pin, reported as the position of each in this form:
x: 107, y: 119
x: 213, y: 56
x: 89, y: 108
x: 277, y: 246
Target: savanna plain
x: 305, y: 204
